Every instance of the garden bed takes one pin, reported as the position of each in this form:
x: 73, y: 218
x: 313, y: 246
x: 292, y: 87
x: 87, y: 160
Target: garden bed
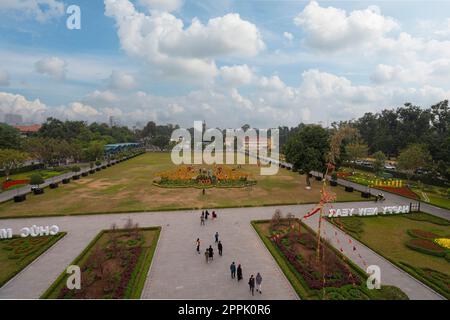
x: 408, y: 241
x: 17, y: 253
x: 332, y: 277
x: 113, y: 266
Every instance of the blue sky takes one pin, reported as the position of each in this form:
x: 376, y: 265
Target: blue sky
x: 266, y: 63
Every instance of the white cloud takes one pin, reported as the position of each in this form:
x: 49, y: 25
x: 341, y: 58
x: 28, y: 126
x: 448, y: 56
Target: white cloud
x: 162, y: 40
x: 78, y: 111
x: 332, y: 29
x: 4, y: 78
x: 236, y: 75
x: 288, y: 36
x: 120, y: 80
x: 18, y: 104
x: 52, y: 66
x: 41, y: 10
x: 163, y: 5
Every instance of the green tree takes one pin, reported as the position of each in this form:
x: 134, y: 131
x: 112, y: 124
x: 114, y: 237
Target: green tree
x: 11, y: 159
x: 380, y: 160
x: 355, y: 151
x: 9, y: 137
x: 36, y: 179
x: 95, y: 151
x: 307, y: 148
x: 413, y: 157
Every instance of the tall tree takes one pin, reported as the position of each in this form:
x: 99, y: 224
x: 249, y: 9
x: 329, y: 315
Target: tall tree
x: 11, y: 159
x: 413, y: 157
x: 380, y: 160
x: 307, y: 148
x: 9, y: 137
x: 355, y: 151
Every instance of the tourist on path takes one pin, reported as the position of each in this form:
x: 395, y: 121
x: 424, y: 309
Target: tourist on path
x: 258, y: 283
x: 207, y: 255
x: 216, y: 236
x: 233, y: 270
x: 251, y: 284
x: 198, y: 245
x: 220, y: 248
x: 214, y: 215
x: 206, y: 215
x: 202, y: 220
x: 239, y: 273
x: 211, y: 253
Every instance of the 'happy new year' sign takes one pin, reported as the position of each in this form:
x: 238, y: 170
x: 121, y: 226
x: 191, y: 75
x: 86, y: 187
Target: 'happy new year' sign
x: 348, y: 212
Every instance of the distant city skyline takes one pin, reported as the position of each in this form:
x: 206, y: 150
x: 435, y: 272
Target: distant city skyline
x: 266, y: 63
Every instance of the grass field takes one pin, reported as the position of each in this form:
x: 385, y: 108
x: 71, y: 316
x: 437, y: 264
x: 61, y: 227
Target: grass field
x: 387, y: 236
x: 128, y: 186
x: 94, y: 286
x: 17, y: 253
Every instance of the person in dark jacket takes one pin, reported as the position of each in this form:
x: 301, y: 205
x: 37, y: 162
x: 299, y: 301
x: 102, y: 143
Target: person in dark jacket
x: 216, y: 236
x: 220, y: 248
x: 211, y: 253
x: 198, y: 245
x: 258, y: 282
x: 233, y: 270
x: 239, y: 273
x: 251, y: 284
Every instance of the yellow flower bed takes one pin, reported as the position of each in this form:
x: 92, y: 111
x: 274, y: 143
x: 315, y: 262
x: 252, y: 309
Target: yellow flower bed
x: 443, y: 242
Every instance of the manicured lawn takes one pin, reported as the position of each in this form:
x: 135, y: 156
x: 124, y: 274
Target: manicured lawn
x: 113, y: 266
x: 388, y: 236
x: 128, y: 186
x: 17, y: 253
x: 296, y: 256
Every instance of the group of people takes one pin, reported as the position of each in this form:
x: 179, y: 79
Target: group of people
x: 252, y: 281
x: 205, y: 215
x: 209, y: 252
x: 236, y: 271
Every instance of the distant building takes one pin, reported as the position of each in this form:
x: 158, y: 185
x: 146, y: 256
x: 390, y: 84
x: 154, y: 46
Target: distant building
x: 28, y: 130
x: 13, y: 119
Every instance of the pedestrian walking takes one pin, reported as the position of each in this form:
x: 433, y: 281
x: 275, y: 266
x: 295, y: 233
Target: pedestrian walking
x: 198, y: 245
x: 207, y: 255
x: 220, y: 248
x: 233, y: 270
x: 251, y: 284
x: 258, y: 283
x: 206, y: 215
x: 216, y: 236
x: 239, y: 273
x: 214, y: 215
x: 202, y: 220
x: 211, y: 253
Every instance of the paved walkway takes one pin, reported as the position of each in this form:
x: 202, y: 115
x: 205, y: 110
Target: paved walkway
x: 178, y: 272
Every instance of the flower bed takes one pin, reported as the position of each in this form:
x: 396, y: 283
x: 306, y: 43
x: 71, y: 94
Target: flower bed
x: 417, y: 233
x: 113, y: 266
x: 426, y: 246
x: 11, y: 183
x: 403, y: 191
x: 200, y: 177
x: 443, y: 242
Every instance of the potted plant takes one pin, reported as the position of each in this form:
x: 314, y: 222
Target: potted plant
x: 98, y: 164
x: 76, y: 170
x: 35, y: 181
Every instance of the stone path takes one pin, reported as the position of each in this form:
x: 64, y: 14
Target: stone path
x: 177, y: 271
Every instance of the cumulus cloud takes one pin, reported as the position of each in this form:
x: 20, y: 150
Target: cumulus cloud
x: 162, y: 5
x: 333, y: 29
x: 162, y: 40
x: 18, y: 104
x: 120, y: 80
x: 41, y: 10
x: 236, y: 75
x: 288, y: 36
x: 52, y: 66
x: 4, y: 78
